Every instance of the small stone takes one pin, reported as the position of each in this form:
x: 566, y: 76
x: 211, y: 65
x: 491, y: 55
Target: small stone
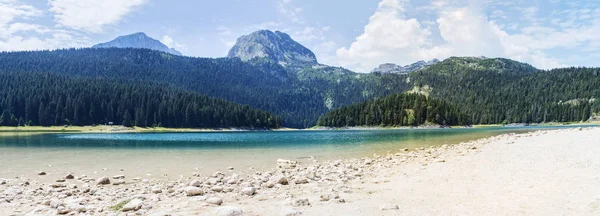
x: 387, y: 207
x: 301, y: 181
x: 217, y: 189
x: 118, y: 177
x: 156, y: 189
x: 56, y: 203
x: 160, y: 214
x: 440, y: 160
x: 133, y: 205
x: 229, y: 168
x: 214, y: 200
x: 325, y: 197
x: 42, y: 173
x: 60, y: 180
x: 57, y: 185
x: 248, y: 191
x: 103, y: 181
x: 290, y: 212
x: 282, y: 181
x: 473, y: 147
x: 69, y: 176
x: 195, y: 183
x: 193, y: 191
x: 118, y: 182
x: 301, y: 202
x: 62, y: 210
x: 229, y: 211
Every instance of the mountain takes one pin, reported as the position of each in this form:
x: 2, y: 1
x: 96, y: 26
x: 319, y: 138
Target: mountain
x: 137, y: 40
x: 488, y: 90
x: 50, y: 99
x: 394, y: 68
x: 482, y: 91
x: 264, y: 85
x: 276, y: 46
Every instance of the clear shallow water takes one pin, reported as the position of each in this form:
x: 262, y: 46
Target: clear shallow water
x: 152, y: 155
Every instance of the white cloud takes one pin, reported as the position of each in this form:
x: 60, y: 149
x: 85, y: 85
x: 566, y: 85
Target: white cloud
x: 390, y: 36
x: 91, y: 15
x: 167, y: 40
x: 289, y: 10
x: 18, y: 33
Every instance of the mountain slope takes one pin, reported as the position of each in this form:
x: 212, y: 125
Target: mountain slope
x: 506, y: 91
x: 276, y: 46
x: 394, y: 68
x: 137, y: 40
x: 50, y: 99
x: 261, y: 84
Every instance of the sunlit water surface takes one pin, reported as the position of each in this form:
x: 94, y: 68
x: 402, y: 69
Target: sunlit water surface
x: 169, y: 155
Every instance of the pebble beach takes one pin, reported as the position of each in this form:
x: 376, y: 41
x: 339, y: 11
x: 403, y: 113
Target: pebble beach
x: 539, y: 173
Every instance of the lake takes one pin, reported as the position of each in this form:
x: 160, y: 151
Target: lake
x: 173, y: 155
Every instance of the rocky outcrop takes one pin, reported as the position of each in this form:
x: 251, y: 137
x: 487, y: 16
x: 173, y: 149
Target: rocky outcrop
x: 276, y: 46
x: 394, y: 68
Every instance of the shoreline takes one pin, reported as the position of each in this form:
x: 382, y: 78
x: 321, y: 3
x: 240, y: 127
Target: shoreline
x: 121, y: 129
x: 315, y: 187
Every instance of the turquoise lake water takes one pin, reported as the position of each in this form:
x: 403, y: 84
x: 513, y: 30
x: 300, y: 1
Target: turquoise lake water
x: 167, y: 154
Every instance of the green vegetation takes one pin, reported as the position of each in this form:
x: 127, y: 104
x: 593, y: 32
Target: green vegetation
x: 502, y: 91
x: 45, y: 99
x: 395, y: 110
x: 119, y: 205
x: 261, y: 84
x: 488, y: 91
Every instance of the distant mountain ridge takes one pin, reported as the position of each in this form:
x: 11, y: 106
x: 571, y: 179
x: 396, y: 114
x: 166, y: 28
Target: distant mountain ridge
x: 137, y: 40
x: 394, y: 68
x: 276, y: 46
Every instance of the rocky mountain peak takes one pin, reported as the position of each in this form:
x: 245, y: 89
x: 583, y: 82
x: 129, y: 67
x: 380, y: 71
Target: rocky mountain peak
x: 137, y: 40
x: 394, y: 68
x: 276, y: 46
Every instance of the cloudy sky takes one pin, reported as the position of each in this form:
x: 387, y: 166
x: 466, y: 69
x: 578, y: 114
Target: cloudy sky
x: 355, y: 34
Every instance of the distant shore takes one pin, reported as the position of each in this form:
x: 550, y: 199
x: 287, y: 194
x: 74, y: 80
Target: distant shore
x: 433, y: 126
x: 4, y: 130
x: 121, y: 129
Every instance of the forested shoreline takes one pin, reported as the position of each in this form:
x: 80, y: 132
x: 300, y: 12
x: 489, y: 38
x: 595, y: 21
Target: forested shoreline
x: 395, y: 110
x: 44, y: 99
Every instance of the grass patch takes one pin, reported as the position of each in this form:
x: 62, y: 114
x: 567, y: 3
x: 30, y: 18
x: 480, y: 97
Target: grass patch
x: 119, y: 206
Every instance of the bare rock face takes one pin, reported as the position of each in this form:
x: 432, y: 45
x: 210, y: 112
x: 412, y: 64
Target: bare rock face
x: 276, y: 46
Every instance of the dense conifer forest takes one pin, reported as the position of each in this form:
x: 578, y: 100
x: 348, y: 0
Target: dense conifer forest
x: 395, y: 110
x: 495, y: 91
x: 47, y: 99
x: 261, y: 84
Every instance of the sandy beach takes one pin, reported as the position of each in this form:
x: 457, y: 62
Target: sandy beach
x: 539, y: 173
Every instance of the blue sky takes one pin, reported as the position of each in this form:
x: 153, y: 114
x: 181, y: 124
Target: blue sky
x: 358, y: 35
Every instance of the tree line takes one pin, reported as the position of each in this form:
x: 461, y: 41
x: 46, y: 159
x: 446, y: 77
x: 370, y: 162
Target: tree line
x: 395, y: 110
x: 47, y: 99
x: 502, y: 91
